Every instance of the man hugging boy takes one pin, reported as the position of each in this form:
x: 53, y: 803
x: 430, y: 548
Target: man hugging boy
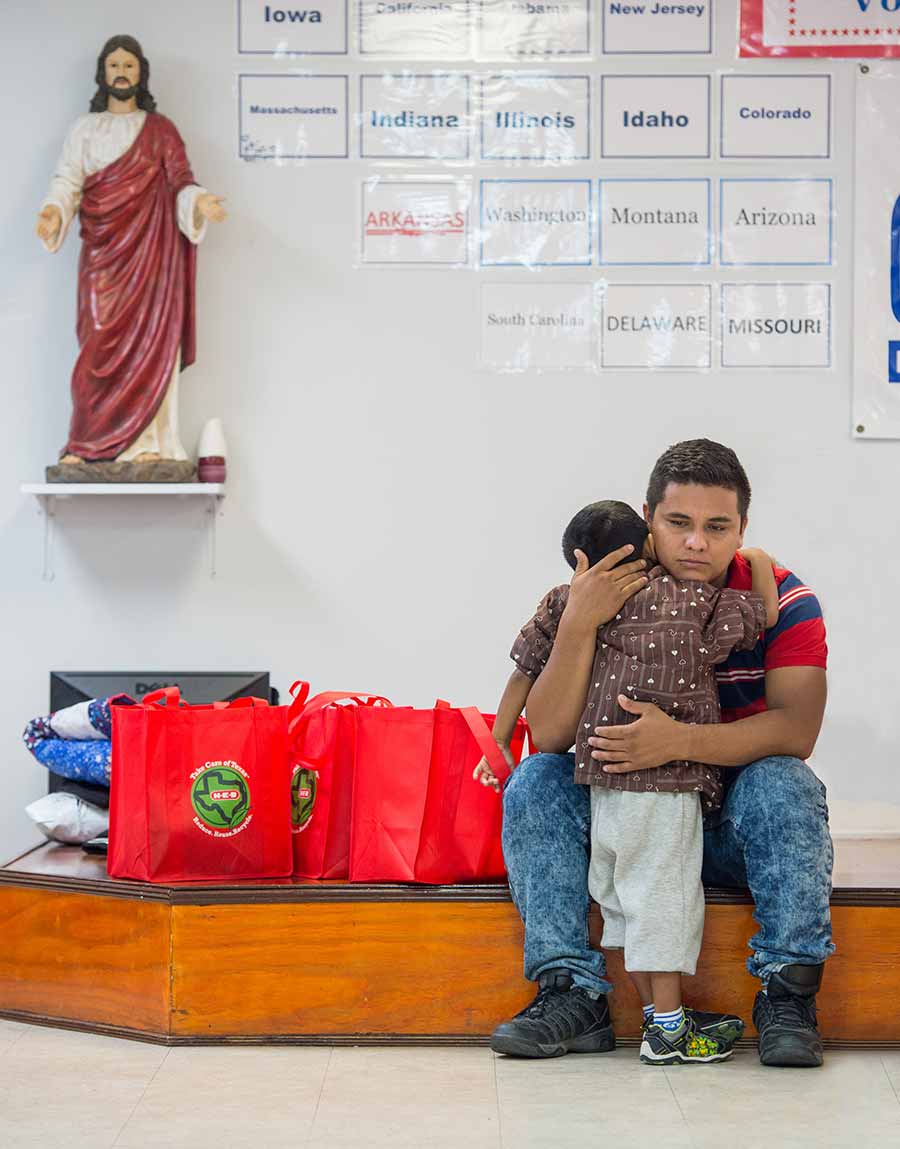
x: 647, y: 825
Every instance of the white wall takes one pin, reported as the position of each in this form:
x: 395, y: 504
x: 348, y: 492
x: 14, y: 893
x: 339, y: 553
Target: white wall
x: 392, y: 515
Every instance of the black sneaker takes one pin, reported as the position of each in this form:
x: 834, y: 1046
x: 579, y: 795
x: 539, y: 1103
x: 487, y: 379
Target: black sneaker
x: 686, y: 1047
x: 784, y: 1013
x: 563, y: 1018
x: 725, y: 1028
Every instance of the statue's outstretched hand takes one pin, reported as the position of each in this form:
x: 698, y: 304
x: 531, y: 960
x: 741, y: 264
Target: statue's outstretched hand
x: 49, y: 224
x: 210, y: 207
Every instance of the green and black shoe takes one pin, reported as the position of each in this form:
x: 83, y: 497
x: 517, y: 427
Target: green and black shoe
x: 686, y: 1046
x: 725, y: 1028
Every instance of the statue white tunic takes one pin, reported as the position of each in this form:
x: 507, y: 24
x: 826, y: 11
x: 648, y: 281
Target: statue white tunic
x: 95, y: 141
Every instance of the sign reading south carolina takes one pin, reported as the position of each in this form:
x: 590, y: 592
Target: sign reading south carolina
x: 220, y: 796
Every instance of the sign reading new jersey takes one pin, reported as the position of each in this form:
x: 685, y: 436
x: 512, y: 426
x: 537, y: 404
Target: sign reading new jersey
x: 655, y: 117
x: 655, y: 222
x: 415, y: 221
x: 820, y: 28
x: 286, y: 117
x: 876, y: 312
x: 776, y: 116
x: 536, y: 223
x: 656, y: 27
x: 776, y: 325
x: 409, y: 116
x: 423, y: 29
x: 537, y: 326
x: 528, y: 116
x: 508, y: 29
x: 312, y: 27
x: 656, y: 326
x: 775, y: 222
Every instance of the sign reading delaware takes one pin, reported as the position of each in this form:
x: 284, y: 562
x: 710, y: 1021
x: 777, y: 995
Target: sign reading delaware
x: 655, y: 27
x: 311, y: 27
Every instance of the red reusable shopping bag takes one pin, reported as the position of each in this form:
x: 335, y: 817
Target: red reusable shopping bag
x: 322, y: 740
x: 199, y: 792
x: 417, y: 814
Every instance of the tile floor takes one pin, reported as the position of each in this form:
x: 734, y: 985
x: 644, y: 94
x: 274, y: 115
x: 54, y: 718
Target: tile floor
x: 68, y: 1090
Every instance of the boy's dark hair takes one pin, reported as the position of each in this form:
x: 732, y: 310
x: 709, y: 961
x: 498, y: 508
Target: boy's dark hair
x: 603, y: 527
x: 703, y: 462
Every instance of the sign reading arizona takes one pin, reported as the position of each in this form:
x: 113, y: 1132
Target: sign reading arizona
x: 220, y: 796
x: 820, y: 28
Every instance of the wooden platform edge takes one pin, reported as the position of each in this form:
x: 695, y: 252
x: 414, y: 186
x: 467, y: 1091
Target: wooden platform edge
x: 368, y: 1040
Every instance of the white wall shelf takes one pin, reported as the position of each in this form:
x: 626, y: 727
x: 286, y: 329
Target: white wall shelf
x: 48, y: 494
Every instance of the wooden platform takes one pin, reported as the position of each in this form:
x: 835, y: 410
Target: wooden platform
x: 329, y: 962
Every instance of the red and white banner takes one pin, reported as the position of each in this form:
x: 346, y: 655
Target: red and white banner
x: 853, y: 28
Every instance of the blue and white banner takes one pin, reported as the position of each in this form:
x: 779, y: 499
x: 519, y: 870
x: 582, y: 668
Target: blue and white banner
x: 876, y: 328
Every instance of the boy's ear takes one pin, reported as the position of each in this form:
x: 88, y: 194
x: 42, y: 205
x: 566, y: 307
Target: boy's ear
x: 650, y: 548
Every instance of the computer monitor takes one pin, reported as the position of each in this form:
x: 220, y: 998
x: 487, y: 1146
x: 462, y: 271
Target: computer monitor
x: 199, y: 687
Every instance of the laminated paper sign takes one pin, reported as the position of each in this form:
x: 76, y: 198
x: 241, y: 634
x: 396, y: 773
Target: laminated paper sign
x: 534, y: 117
x: 312, y: 27
x: 419, y: 29
x: 655, y: 27
x: 781, y: 221
x: 415, y: 221
x: 776, y: 116
x: 776, y: 325
x: 655, y: 117
x: 655, y: 222
x: 820, y: 28
x: 509, y: 29
x: 410, y: 116
x: 656, y: 326
x: 542, y: 327
x: 285, y: 117
x: 876, y: 312
x: 536, y: 223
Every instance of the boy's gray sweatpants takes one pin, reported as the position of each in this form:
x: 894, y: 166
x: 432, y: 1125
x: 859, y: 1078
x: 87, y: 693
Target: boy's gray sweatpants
x: 646, y: 858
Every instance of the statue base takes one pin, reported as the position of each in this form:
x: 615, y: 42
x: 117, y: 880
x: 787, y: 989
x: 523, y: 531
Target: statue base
x: 163, y: 471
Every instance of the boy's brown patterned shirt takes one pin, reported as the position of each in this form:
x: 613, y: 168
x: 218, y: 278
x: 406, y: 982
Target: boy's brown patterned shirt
x: 662, y: 648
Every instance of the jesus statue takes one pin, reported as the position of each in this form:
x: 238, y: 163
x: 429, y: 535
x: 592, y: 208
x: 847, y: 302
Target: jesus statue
x: 125, y: 173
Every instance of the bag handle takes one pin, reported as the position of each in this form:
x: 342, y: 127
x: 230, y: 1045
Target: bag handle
x: 167, y: 696
x: 240, y: 703
x: 479, y: 730
x: 301, y: 711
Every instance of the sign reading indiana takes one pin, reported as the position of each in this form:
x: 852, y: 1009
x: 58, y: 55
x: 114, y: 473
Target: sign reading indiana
x: 820, y: 28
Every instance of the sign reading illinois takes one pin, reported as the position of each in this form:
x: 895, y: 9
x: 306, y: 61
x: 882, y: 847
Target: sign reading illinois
x: 820, y: 27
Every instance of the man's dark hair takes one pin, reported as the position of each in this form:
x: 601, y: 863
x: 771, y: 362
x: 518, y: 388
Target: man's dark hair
x: 703, y: 462
x: 144, y: 100
x: 603, y: 527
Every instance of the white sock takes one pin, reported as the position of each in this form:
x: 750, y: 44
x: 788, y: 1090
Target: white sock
x: 648, y: 1011
x: 671, y: 1021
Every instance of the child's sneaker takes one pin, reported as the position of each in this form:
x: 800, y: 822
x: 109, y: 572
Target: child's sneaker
x: 726, y: 1029
x: 687, y: 1046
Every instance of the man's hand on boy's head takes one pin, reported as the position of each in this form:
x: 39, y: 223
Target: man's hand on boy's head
x: 650, y: 741
x: 597, y: 593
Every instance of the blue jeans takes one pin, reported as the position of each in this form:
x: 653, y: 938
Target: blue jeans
x: 771, y: 834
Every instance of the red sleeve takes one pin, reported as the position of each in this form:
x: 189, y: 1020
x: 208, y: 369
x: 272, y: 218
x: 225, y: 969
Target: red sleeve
x: 803, y: 644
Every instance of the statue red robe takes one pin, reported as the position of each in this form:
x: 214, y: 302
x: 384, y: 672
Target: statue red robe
x: 136, y: 281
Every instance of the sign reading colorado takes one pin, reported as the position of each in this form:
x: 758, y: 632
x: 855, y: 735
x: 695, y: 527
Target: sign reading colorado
x: 312, y: 27
x: 655, y: 117
x: 656, y: 326
x: 293, y: 117
x: 408, y: 116
x: 776, y: 117
x: 424, y: 29
x: 527, y: 116
x: 536, y: 223
x: 415, y: 222
x: 775, y: 222
x: 516, y: 28
x: 776, y: 325
x: 537, y: 326
x: 657, y: 27
x: 655, y: 222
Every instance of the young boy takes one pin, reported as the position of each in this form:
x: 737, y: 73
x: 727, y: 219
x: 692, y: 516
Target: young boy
x: 646, y: 826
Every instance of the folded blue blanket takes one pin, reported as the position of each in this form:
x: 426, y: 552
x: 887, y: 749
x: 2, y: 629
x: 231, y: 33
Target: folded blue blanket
x: 75, y: 742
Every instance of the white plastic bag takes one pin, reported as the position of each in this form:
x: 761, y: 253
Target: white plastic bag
x: 65, y: 818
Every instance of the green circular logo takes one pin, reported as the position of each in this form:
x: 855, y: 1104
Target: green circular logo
x: 303, y: 796
x: 221, y: 798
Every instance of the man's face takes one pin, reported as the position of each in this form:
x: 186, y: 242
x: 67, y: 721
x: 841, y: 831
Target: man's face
x: 123, y: 73
x: 696, y: 531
